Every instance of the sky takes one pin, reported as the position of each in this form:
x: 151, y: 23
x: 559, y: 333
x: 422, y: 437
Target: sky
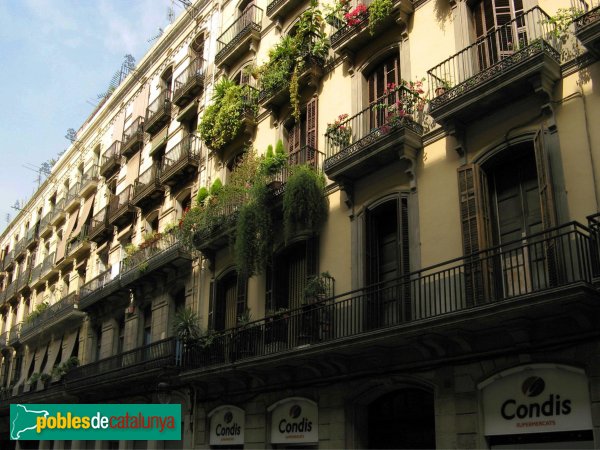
x: 56, y: 57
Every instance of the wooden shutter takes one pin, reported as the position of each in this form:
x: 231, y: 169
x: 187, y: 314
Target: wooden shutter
x: 294, y: 139
x: 544, y: 182
x: 475, y: 224
x: 311, y: 123
x: 211, y: 306
x: 404, y: 258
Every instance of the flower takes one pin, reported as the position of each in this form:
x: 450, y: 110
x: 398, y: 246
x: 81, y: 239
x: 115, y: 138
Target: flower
x: 356, y: 16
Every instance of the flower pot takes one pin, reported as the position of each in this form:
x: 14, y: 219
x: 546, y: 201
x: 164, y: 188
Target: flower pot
x: 440, y: 91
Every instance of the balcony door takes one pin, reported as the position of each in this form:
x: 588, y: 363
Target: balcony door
x: 385, y: 75
x: 497, y: 32
x: 227, y: 301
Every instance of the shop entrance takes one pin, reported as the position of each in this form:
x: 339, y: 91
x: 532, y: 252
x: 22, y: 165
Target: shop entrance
x: 402, y: 419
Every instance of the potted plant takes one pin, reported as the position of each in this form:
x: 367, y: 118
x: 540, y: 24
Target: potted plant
x: 34, y: 378
x: 318, y: 287
x: 443, y: 85
x: 339, y: 132
x: 273, y: 161
x: 356, y: 16
x: 45, y: 378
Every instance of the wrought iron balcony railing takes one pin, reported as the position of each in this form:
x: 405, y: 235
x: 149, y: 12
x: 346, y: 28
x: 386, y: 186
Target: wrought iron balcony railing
x: 98, y: 225
x: 158, y: 112
x: 120, y: 204
x: 20, y: 247
x: 51, y: 313
x: 89, y: 178
x: 505, y: 52
x: 133, y: 136
x: 72, y: 194
x: 47, y: 264
x: 147, y: 183
x: 184, y: 155
x: 58, y: 211
x: 305, y: 155
x: 14, y: 334
x: 356, y: 144
x: 36, y: 273
x: 95, y: 283
x: 9, y: 258
x: 142, y: 256
x: 23, y: 279
x: 249, y: 21
x: 32, y: 234
x: 587, y: 23
x: 45, y: 222
x: 157, y: 355
x: 190, y: 82
x: 77, y: 242
x: 111, y: 159
x: 516, y: 271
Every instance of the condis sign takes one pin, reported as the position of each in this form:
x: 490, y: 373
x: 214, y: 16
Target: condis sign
x: 294, y: 420
x: 227, y: 425
x: 95, y: 422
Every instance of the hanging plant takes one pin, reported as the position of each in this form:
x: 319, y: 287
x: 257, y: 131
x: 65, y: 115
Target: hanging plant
x: 304, y: 202
x: 379, y: 10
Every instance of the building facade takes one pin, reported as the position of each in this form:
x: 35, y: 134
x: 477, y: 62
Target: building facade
x: 445, y: 293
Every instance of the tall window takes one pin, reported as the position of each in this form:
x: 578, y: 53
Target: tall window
x: 147, y: 331
x: 488, y: 17
x: 228, y: 300
x: 385, y: 74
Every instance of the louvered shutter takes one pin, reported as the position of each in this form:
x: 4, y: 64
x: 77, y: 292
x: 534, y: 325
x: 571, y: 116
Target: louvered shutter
x: 311, y: 123
x: 544, y: 182
x: 294, y: 143
x: 211, y: 306
x: 475, y: 224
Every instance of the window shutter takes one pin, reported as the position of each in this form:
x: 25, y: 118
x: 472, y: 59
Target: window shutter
x: 544, y: 182
x: 311, y: 123
x: 294, y: 139
x: 475, y: 224
x: 211, y: 306
x: 242, y: 294
x: 404, y: 258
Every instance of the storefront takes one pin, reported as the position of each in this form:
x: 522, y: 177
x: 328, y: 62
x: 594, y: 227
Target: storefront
x: 227, y: 426
x: 537, y: 406
x: 294, y: 423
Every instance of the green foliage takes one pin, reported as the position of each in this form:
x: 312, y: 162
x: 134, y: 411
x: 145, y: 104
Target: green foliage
x: 201, y: 196
x: 244, y: 318
x: 317, y: 286
x: 379, y: 10
x: 304, y: 202
x: 216, y: 187
x: 290, y: 54
x: 130, y: 249
x: 186, y: 326
x: 45, y: 377
x: 222, y: 120
x: 34, y: 378
x: 39, y: 309
x: 279, y: 148
x: 269, y: 153
x: 559, y: 29
x: 273, y: 162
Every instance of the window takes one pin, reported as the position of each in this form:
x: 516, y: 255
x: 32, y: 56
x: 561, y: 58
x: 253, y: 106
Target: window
x: 507, y: 199
x: 227, y: 300
x: 121, y: 334
x: 302, y: 136
x: 98, y: 335
x: 147, y: 324
x: 385, y: 74
x: 488, y: 17
x: 167, y: 81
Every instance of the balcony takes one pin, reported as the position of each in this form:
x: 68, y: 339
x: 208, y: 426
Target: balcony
x: 78, y: 245
x: 216, y: 235
x: 158, y: 113
x: 14, y: 335
x: 99, y: 227
x: 89, y: 181
x: 248, y: 119
x: 147, y: 187
x: 35, y: 275
x: 275, y: 97
x: 127, y: 370
x: 306, y: 155
x: 375, y: 137
x: 587, y: 26
x: 241, y: 37
x: 181, y: 160
x: 111, y: 160
x: 280, y: 9
x: 3, y: 340
x: 133, y: 137
x: 120, y: 207
x: 23, y: 280
x: 45, y: 227
x: 58, y: 212
x: 531, y: 289
x: 32, y: 235
x: 190, y: 83
x: 164, y: 254
x: 60, y: 315
x: 20, y: 247
x: 72, y: 199
x: 10, y: 291
x: 518, y: 59
x: 9, y: 259
x: 48, y: 266
x: 349, y: 39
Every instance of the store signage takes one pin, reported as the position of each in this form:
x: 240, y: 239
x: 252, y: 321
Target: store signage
x: 536, y: 399
x: 227, y: 425
x: 294, y: 420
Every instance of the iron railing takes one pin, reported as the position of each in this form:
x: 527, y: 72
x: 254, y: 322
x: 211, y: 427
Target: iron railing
x: 401, y: 107
x: 141, y: 257
x: 14, y: 334
x: 120, y: 202
x: 152, y: 356
x: 187, y: 149
x: 133, y: 131
x: 3, y: 339
x: 23, y: 279
x: 585, y: 12
x: 147, y: 178
x: 160, y: 106
x: 555, y: 258
x: 72, y: 193
x: 90, y: 175
x: 48, y: 263
x: 32, y: 234
x: 95, y: 283
x: 528, y: 34
x: 9, y: 258
x: 58, y: 208
x: 36, y: 272
x: 69, y: 302
x: 345, y: 28
x: 20, y: 246
x: 194, y: 73
x: 250, y: 18
x: 45, y: 221
x: 305, y: 155
x: 78, y: 240
x: 111, y: 156
x: 99, y: 221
